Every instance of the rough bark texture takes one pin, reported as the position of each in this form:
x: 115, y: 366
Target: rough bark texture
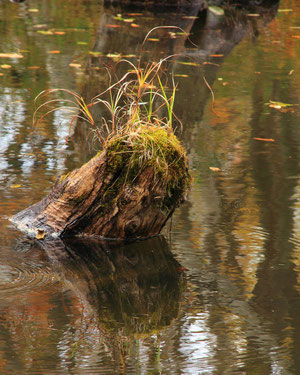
x: 113, y: 196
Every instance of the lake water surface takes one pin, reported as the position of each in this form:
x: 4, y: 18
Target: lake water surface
x: 219, y: 292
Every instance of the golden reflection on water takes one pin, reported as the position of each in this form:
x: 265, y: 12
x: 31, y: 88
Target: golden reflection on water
x: 237, y: 236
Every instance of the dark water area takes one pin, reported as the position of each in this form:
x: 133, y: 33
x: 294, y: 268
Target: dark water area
x: 219, y: 292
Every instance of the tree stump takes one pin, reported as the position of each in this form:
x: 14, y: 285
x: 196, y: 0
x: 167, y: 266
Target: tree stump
x: 127, y: 191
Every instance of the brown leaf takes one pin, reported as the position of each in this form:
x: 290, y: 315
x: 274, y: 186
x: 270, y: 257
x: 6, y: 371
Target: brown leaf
x: 214, y: 169
x: 264, y: 139
x: 113, y: 26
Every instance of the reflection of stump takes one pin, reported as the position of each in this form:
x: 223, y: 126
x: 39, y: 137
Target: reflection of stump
x: 127, y: 191
x: 129, y: 288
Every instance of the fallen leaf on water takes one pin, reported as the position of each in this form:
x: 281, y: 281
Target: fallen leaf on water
x: 264, y: 139
x: 216, y: 55
x: 129, y: 20
x: 54, y: 52
x: 153, y: 39
x: 11, y: 55
x: 278, y: 105
x: 214, y: 169
x: 188, y: 63
x: 74, y: 65
x: 59, y: 32
x: 33, y: 10
x: 5, y: 66
x: 189, y: 17
x: 180, y: 75
x: 216, y: 10
x: 114, y: 56
x: 82, y: 43
x: 16, y: 186
x: 210, y: 63
x: 113, y: 26
x: 1, y: 74
x: 296, y: 36
x: 253, y: 15
x: 134, y: 25
x: 45, y: 32
x: 40, y: 234
x: 291, y: 72
x: 40, y: 26
x: 95, y: 53
x: 284, y: 10
x: 33, y: 67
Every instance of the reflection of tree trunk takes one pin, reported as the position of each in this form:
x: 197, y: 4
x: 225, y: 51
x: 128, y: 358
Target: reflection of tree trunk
x: 130, y: 290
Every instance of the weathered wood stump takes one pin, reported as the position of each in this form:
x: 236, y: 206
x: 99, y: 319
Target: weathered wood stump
x: 127, y: 191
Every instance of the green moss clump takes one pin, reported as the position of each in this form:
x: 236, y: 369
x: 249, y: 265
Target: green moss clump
x: 149, y: 146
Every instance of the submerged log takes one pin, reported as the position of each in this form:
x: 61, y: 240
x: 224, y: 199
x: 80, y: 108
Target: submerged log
x: 127, y: 191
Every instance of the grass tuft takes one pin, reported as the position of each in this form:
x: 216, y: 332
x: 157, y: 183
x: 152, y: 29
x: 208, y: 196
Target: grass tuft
x: 141, y: 111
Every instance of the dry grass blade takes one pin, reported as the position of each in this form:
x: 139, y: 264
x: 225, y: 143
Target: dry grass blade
x: 136, y: 101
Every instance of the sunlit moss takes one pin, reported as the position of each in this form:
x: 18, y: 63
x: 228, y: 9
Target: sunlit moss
x: 128, y: 155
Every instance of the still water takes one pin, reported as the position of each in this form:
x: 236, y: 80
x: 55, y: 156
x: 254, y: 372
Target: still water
x: 219, y: 293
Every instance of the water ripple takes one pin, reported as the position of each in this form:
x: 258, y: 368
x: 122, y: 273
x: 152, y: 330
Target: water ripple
x: 16, y: 278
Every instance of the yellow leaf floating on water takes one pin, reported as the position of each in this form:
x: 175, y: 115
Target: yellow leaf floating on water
x: 217, y: 11
x: 95, y: 53
x: 5, y: 66
x: 33, y: 10
x: 16, y: 186
x: 45, y: 32
x: 181, y: 75
x: 40, y: 234
x: 279, y: 105
x: 153, y: 40
x: 188, y: 63
x: 114, y: 56
x: 54, y: 52
x: 74, y: 65
x: 214, y: 169
x: 11, y: 55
